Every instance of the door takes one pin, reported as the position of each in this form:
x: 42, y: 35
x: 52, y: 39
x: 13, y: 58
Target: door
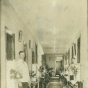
x: 58, y: 67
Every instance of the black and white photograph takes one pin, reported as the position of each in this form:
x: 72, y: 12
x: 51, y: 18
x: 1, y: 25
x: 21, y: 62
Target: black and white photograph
x: 43, y: 43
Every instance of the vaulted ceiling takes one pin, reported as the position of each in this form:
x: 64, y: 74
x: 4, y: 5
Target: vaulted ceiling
x: 53, y: 22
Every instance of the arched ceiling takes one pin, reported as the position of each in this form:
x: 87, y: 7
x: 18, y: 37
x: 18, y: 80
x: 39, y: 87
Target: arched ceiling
x: 53, y: 22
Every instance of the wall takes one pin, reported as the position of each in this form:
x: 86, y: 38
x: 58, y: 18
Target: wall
x: 84, y: 44
x: 12, y: 20
x: 84, y: 58
x: 83, y: 54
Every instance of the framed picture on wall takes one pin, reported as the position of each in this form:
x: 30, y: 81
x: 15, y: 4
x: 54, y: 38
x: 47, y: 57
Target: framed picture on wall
x: 20, y: 36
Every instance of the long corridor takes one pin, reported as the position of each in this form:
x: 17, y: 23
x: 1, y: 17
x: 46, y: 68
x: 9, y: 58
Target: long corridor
x: 43, y: 44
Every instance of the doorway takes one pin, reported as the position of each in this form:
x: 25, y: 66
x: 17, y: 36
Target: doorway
x: 58, y: 65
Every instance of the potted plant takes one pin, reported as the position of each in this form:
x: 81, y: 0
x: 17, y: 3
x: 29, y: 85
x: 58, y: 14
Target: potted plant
x: 46, y: 74
x: 74, y: 69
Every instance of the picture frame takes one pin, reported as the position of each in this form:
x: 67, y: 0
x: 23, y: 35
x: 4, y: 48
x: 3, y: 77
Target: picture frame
x: 20, y: 36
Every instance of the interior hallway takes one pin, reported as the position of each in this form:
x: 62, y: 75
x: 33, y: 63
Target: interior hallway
x: 54, y: 36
